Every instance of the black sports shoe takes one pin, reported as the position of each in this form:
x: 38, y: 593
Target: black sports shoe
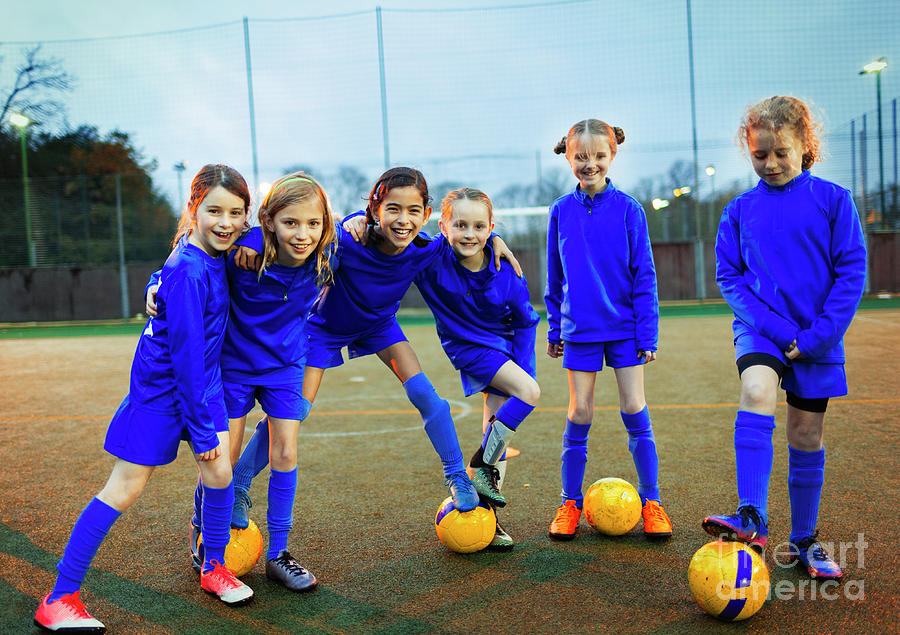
x: 502, y: 541
x: 287, y: 571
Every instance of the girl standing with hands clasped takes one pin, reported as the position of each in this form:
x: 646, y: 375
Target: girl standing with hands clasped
x: 359, y: 311
x: 601, y: 304
x: 487, y: 328
x: 791, y: 263
x: 175, y: 394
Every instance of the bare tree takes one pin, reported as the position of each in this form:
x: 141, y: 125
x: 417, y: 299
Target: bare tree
x: 38, y: 81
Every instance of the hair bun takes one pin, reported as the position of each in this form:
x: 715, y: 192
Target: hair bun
x: 560, y: 148
x: 619, y: 133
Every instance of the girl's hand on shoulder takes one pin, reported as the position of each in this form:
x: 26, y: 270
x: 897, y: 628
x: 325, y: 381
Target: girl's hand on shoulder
x: 150, y: 306
x: 554, y: 349
x: 648, y: 356
x: 793, y: 352
x: 502, y: 251
x: 246, y: 258
x: 356, y: 227
x: 210, y: 455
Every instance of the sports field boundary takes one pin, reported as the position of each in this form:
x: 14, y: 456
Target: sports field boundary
x: 406, y: 317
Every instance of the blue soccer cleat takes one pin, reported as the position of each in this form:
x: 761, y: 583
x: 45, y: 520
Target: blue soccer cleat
x: 463, y: 493
x: 745, y: 525
x: 240, y: 513
x: 814, y: 557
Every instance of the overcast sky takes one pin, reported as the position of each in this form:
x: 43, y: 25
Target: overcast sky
x: 473, y: 96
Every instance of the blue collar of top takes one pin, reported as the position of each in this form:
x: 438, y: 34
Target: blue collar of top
x: 485, y: 277
x: 587, y: 200
x: 800, y: 179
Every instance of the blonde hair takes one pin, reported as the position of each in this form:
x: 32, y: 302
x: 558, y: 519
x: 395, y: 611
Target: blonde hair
x: 208, y: 178
x: 290, y: 189
x: 779, y: 112
x: 595, y: 127
x: 467, y: 194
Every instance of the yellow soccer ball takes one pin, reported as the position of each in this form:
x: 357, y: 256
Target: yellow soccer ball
x: 245, y: 546
x: 465, y: 532
x: 612, y: 506
x: 729, y: 580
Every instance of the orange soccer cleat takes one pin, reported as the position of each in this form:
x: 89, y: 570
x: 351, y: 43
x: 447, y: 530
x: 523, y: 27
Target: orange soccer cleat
x: 656, y: 521
x: 565, y: 523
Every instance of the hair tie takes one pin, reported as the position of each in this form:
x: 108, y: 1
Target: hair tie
x: 282, y: 184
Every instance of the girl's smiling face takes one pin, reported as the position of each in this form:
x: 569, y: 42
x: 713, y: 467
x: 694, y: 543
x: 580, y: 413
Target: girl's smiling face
x: 589, y: 156
x: 467, y: 231
x: 298, y: 230
x: 401, y: 215
x: 218, y: 222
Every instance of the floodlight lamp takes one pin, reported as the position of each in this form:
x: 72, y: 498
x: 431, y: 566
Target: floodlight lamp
x: 710, y: 170
x: 19, y: 120
x: 874, y: 67
x: 659, y: 203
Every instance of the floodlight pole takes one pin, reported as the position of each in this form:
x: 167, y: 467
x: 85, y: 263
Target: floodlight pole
x: 22, y: 122
x: 26, y: 191
x: 875, y: 68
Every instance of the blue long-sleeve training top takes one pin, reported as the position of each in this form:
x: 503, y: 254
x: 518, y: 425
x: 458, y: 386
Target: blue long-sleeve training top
x: 176, y: 365
x: 266, y: 343
x: 487, y: 308
x: 791, y: 263
x: 601, y: 281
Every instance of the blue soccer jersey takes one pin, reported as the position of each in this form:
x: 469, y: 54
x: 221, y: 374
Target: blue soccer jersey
x: 601, y: 281
x: 791, y: 263
x: 486, y: 308
x: 176, y: 365
x: 266, y: 341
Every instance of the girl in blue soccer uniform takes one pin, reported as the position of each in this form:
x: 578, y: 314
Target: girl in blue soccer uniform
x: 601, y: 304
x: 358, y: 311
x: 487, y: 327
x: 265, y: 352
x: 175, y: 394
x: 791, y: 263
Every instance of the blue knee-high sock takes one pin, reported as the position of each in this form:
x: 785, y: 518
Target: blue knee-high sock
x: 280, y: 515
x: 753, y: 458
x: 254, y: 457
x: 806, y: 474
x: 574, y: 459
x: 513, y: 412
x: 197, y: 517
x: 216, y: 523
x: 88, y: 533
x: 438, y: 422
x: 642, y: 446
